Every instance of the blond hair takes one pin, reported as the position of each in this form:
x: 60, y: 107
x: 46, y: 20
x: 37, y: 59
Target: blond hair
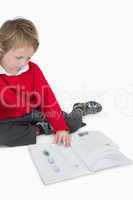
x: 17, y: 33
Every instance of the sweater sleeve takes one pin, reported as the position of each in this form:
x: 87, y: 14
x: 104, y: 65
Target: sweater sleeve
x: 8, y: 97
x: 49, y: 104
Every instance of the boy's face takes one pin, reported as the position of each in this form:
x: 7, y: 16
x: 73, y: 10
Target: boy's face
x: 14, y: 59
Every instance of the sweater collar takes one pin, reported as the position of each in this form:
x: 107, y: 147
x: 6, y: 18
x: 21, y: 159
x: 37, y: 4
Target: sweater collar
x: 23, y: 69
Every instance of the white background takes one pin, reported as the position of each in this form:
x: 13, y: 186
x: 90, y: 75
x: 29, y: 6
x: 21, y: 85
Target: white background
x: 85, y: 52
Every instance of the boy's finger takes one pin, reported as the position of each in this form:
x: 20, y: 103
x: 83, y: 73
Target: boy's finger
x: 55, y: 139
x: 59, y: 139
x: 70, y: 140
x: 67, y: 141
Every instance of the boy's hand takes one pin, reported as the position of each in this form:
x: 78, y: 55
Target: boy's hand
x: 62, y: 137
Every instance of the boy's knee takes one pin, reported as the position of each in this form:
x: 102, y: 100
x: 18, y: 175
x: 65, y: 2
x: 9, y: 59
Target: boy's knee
x: 74, y: 121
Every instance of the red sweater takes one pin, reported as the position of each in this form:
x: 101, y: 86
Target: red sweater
x: 20, y: 94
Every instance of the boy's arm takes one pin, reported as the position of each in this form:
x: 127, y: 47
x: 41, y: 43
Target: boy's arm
x: 49, y: 104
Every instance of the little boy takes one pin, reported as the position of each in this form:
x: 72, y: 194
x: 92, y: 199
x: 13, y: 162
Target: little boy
x: 28, y: 106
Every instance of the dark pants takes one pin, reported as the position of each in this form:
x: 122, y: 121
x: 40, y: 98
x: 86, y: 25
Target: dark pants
x: 21, y: 131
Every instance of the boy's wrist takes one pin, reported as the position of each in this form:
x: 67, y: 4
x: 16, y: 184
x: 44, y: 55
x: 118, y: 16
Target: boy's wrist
x: 62, y: 131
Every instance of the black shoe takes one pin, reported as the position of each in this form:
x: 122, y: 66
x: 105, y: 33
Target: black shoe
x: 90, y: 107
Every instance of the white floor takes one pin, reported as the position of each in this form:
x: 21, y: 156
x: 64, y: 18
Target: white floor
x: 111, y: 184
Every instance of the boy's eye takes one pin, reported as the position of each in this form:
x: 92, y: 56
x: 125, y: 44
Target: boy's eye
x: 21, y: 57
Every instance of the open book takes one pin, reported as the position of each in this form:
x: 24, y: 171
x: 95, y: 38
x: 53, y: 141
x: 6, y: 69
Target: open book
x: 90, y: 151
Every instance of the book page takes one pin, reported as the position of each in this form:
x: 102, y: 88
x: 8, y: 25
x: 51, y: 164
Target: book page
x: 86, y: 142
x: 107, y: 159
x: 56, y: 163
x: 97, y: 151
x: 94, y: 140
